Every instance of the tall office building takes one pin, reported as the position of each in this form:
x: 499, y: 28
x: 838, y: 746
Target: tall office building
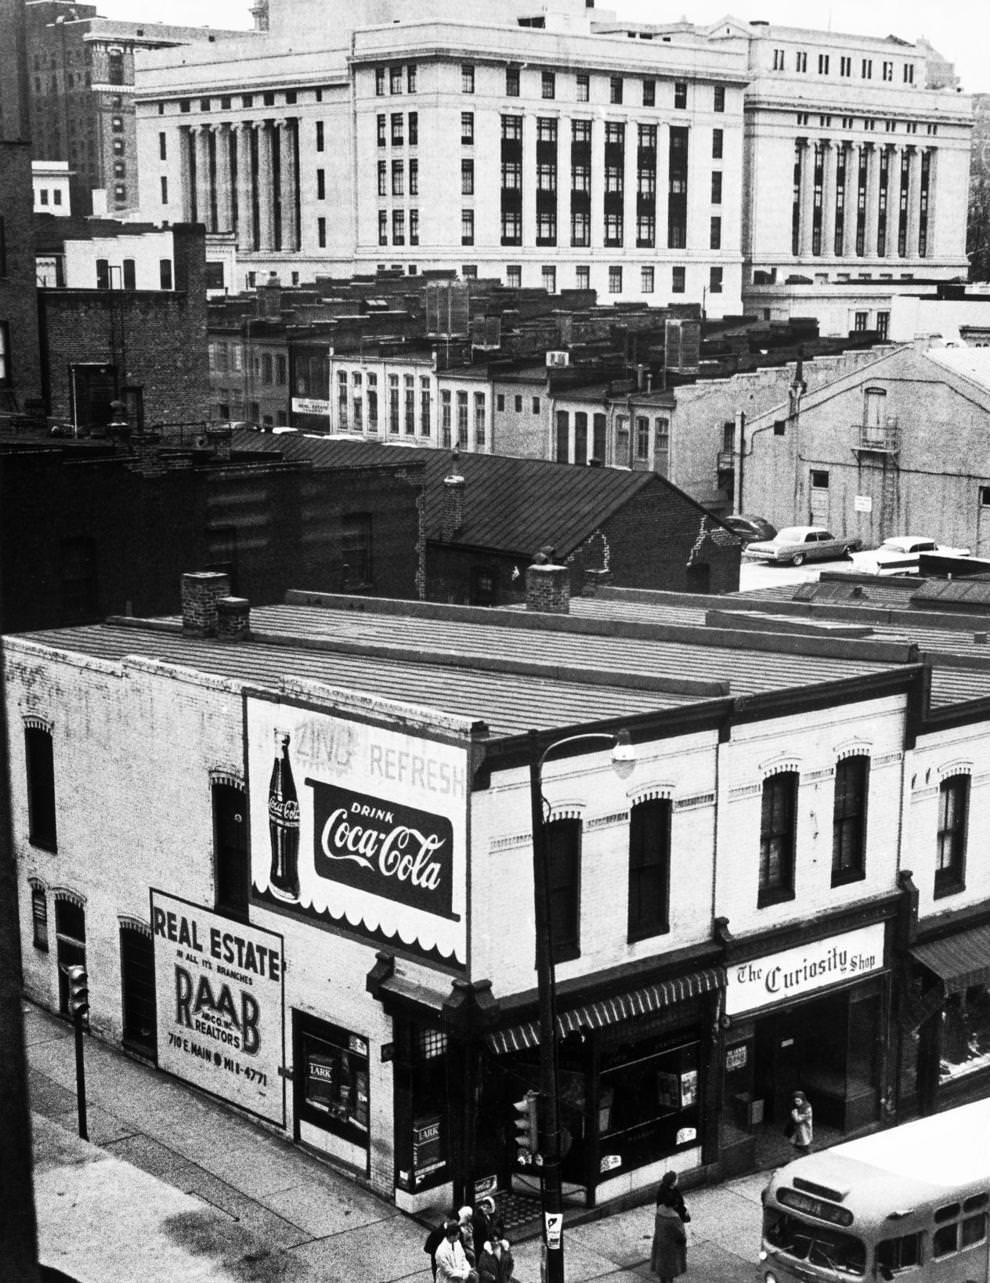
x: 81, y: 84
x: 557, y: 145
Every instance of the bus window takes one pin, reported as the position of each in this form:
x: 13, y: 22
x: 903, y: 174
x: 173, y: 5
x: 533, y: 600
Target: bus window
x: 898, y: 1254
x: 945, y: 1240
x: 815, y: 1244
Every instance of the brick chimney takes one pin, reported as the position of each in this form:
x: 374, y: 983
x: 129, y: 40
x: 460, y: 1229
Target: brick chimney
x: 201, y: 590
x: 548, y: 588
x: 233, y: 619
x: 452, y: 504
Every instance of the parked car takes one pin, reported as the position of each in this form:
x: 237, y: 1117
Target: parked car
x: 749, y: 528
x: 798, y: 544
x: 900, y: 555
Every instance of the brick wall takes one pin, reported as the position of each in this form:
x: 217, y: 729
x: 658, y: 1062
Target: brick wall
x: 156, y: 340
x: 18, y: 307
x: 271, y: 529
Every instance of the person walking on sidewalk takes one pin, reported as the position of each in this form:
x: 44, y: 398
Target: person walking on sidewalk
x: 453, y: 1265
x: 668, y: 1259
x: 801, y: 1124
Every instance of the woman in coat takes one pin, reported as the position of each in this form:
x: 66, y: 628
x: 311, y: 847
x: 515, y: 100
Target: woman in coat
x: 495, y: 1264
x: 801, y: 1123
x: 668, y: 1259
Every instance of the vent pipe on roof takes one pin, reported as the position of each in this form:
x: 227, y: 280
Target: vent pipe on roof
x: 452, y: 509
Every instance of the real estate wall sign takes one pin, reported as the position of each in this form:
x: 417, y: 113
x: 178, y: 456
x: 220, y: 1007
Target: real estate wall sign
x: 360, y: 827
x: 218, y: 986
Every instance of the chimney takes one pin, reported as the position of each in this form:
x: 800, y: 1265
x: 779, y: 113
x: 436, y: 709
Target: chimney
x: 233, y: 619
x: 201, y: 590
x: 548, y: 588
x: 452, y: 511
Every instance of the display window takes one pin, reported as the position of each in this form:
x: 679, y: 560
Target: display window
x: 965, y: 1034
x: 334, y: 1088
x: 648, y: 1102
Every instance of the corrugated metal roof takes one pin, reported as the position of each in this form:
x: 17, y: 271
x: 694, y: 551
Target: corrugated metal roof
x: 513, y: 506
x: 461, y: 667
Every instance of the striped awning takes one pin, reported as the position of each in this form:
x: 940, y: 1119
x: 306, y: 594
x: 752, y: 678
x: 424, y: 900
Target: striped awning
x: 959, y: 960
x: 610, y: 1011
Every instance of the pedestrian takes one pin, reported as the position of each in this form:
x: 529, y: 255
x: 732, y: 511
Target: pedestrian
x: 669, y: 1193
x: 801, y: 1124
x: 668, y: 1260
x: 453, y: 1265
x: 434, y: 1239
x: 495, y: 1264
x: 486, y: 1225
x: 465, y: 1224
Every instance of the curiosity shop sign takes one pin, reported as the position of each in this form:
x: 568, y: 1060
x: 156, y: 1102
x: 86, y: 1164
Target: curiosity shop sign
x: 778, y: 977
x: 218, y: 986
x: 393, y: 851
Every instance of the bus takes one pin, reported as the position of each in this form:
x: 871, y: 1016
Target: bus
x: 908, y: 1203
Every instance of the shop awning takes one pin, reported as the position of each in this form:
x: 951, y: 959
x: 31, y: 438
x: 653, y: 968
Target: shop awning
x: 610, y: 1011
x: 959, y: 960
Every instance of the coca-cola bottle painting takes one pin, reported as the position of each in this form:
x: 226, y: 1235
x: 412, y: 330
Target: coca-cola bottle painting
x: 283, y: 824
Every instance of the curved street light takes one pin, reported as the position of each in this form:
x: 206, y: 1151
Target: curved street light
x: 623, y: 757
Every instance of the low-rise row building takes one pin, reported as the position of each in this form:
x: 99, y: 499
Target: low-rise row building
x: 291, y: 845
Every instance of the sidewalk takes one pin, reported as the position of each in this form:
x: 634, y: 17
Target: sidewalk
x: 174, y: 1186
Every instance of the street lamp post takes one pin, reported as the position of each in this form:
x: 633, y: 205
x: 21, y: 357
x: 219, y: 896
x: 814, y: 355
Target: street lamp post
x: 549, y: 1113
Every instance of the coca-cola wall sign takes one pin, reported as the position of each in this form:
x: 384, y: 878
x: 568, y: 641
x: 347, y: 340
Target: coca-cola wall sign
x: 359, y: 827
x: 219, y: 1004
x: 382, y: 847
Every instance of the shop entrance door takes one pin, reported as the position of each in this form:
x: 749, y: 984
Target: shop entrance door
x: 778, y: 1065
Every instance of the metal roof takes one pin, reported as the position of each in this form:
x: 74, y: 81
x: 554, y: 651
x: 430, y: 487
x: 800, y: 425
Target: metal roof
x: 511, y: 677
x: 513, y: 506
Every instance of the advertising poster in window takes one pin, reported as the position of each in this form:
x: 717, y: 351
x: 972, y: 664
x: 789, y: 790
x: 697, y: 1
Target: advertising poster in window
x: 360, y: 828
x: 218, y: 986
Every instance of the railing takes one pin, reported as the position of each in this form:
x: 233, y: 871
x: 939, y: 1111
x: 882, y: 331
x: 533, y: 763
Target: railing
x: 884, y: 438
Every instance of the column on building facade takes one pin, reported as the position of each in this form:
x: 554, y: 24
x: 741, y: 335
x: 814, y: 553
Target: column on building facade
x: 186, y: 145
x: 663, y: 205
x: 224, y: 195
x: 266, y: 186
x: 914, y: 201
x: 872, y: 200
x: 564, y: 192
x: 245, y: 187
x: 597, y: 205
x: 630, y: 187
x: 530, y: 180
x: 893, y: 197
x: 288, y: 185
x: 932, y: 153
x: 806, y: 197
x: 849, y: 200
x: 204, y: 212
x: 828, y: 198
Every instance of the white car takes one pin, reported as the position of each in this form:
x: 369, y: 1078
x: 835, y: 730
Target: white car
x: 798, y: 544
x: 900, y: 555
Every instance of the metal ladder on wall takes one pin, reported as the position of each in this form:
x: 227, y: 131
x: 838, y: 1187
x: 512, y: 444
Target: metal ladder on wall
x: 888, y: 497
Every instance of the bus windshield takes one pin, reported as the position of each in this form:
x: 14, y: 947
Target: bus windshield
x: 816, y: 1244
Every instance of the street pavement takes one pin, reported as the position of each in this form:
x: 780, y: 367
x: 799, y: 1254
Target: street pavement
x: 175, y: 1187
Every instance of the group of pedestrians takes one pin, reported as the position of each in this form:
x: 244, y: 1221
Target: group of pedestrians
x: 668, y: 1259
x: 470, y: 1246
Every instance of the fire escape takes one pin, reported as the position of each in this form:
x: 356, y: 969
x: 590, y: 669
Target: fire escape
x: 878, y: 450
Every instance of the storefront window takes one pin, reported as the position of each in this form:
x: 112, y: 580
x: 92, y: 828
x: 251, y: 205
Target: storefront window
x: 965, y: 1033
x: 335, y: 1083
x: 647, y: 1102
x: 429, y: 1094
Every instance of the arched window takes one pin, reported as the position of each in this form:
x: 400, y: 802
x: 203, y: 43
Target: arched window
x: 777, y: 837
x: 852, y: 779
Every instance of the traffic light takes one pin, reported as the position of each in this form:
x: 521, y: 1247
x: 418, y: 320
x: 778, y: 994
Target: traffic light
x: 78, y: 990
x: 527, y: 1128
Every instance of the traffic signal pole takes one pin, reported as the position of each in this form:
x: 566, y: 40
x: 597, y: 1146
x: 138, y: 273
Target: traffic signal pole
x: 77, y: 1021
x: 78, y: 1006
